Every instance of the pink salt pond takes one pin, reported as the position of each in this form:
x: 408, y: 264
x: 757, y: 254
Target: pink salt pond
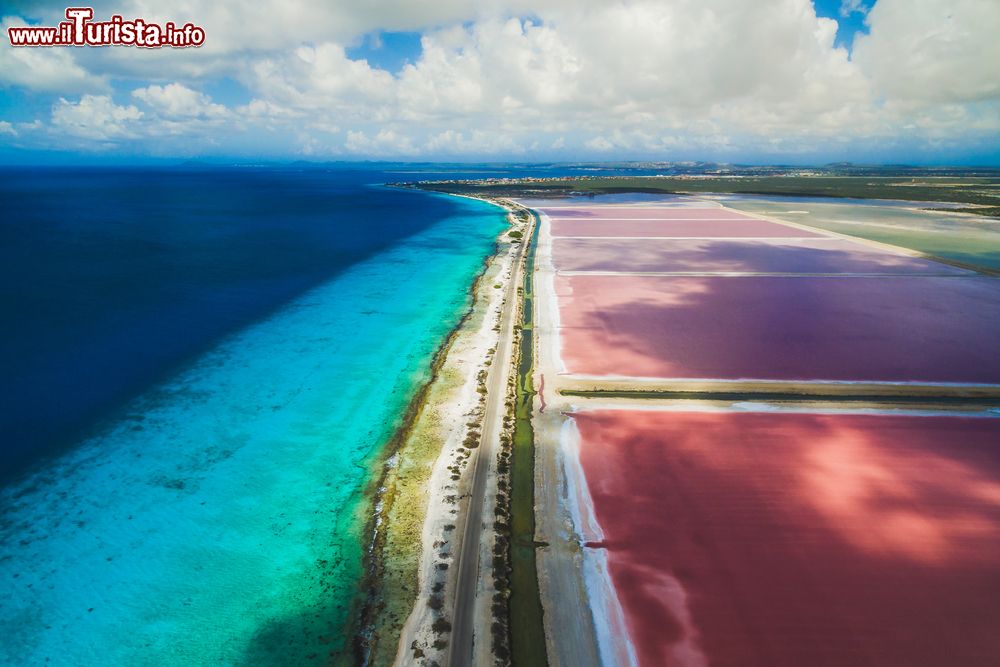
x: 826, y: 255
x: 643, y: 213
x: 774, y: 540
x: 925, y: 329
x: 735, y: 228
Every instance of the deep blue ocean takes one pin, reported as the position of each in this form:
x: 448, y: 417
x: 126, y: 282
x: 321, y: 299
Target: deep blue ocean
x: 200, y: 367
x: 111, y: 279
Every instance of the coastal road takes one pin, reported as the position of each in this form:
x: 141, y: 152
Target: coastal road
x: 467, y: 558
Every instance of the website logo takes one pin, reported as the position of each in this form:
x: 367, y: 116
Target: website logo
x: 79, y: 29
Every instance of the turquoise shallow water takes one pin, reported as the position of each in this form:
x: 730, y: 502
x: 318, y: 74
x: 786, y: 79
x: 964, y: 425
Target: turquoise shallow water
x: 217, y: 520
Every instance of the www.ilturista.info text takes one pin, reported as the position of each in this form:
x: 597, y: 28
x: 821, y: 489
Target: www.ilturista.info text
x: 80, y: 30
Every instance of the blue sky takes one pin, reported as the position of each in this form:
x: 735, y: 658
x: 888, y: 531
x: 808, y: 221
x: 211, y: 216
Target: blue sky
x: 850, y: 17
x: 387, y: 50
x: 726, y: 80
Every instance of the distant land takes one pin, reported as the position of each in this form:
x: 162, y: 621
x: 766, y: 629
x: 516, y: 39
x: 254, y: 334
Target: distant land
x: 978, y: 188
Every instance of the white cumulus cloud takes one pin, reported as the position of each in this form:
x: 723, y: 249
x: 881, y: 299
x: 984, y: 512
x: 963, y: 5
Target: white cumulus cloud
x: 44, y: 69
x: 176, y: 100
x: 95, y: 117
x: 932, y: 51
x: 384, y: 142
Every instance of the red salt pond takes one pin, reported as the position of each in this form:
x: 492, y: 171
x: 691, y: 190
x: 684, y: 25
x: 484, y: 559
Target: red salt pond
x: 746, y: 228
x: 644, y: 213
x: 800, y: 539
x: 792, y: 256
x: 782, y: 328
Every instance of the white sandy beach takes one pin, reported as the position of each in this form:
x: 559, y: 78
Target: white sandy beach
x: 471, y: 354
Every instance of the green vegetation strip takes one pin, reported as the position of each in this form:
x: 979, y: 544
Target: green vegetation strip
x: 784, y: 396
x: 526, y: 629
x: 991, y: 211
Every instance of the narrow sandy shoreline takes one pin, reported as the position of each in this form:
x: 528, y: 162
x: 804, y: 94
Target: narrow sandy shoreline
x: 584, y: 622
x: 417, y: 520
x: 613, y: 643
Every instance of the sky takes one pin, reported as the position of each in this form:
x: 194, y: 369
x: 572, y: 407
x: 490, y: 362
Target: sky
x: 762, y: 81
